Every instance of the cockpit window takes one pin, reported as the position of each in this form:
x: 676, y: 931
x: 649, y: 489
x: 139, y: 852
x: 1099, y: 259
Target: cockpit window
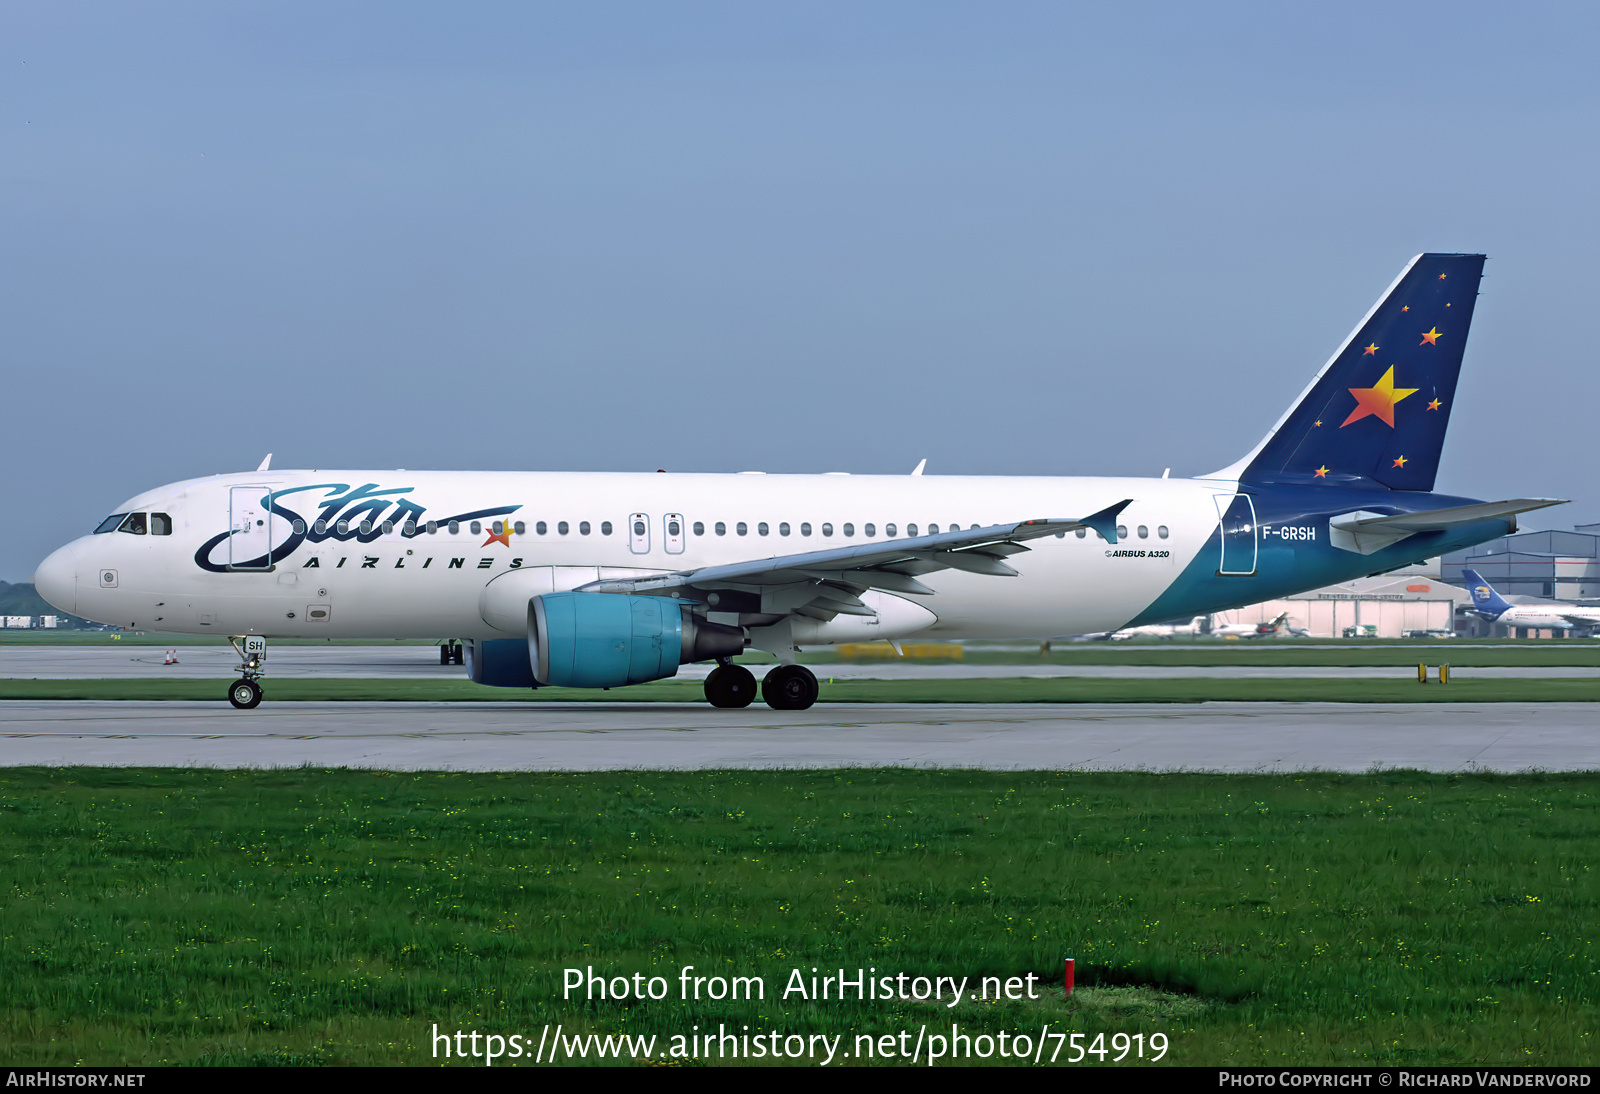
x: 110, y: 523
x: 160, y: 524
x: 134, y: 525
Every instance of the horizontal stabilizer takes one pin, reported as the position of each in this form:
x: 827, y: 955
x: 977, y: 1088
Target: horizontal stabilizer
x: 1366, y: 532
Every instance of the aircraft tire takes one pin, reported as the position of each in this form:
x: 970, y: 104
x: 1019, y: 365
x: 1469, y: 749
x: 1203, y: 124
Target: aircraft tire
x: 245, y: 694
x: 790, y: 687
x: 730, y: 687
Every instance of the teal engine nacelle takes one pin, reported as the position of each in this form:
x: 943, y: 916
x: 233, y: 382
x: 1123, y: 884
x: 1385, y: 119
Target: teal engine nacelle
x: 600, y: 640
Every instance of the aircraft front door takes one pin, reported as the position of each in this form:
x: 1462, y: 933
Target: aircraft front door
x: 1238, y: 517
x: 250, y: 522
x: 639, y: 533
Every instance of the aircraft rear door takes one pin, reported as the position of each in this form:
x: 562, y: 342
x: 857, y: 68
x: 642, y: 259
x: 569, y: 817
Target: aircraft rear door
x: 250, y: 524
x: 1238, y: 517
x: 672, y: 533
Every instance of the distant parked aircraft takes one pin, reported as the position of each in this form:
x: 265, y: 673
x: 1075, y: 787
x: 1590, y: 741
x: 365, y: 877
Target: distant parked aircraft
x: 1270, y: 629
x: 1551, y: 613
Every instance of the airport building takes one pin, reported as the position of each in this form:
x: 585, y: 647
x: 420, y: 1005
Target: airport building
x: 1389, y: 606
x: 1551, y: 565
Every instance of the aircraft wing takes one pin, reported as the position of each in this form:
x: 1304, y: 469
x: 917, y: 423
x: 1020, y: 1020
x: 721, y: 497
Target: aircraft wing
x: 822, y: 584
x: 1580, y: 620
x: 1365, y: 532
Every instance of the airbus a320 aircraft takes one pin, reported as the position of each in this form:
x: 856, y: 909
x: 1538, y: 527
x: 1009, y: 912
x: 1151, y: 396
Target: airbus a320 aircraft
x: 602, y: 580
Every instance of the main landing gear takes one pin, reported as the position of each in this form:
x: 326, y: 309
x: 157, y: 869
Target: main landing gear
x: 787, y: 687
x: 730, y: 686
x: 244, y: 693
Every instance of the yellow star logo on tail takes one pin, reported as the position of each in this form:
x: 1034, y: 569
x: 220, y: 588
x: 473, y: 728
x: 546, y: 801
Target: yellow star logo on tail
x: 1378, y: 400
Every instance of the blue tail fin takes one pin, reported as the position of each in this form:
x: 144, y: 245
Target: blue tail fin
x: 1377, y: 411
x: 1485, y: 601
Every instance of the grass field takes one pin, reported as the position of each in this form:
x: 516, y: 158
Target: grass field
x: 1018, y: 690
x: 159, y: 916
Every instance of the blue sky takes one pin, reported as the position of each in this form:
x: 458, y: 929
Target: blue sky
x: 1016, y: 238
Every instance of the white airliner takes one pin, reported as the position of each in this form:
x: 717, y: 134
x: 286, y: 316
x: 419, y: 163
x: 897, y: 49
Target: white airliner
x: 1546, y: 613
x: 602, y: 580
x: 1270, y: 629
x: 1192, y: 629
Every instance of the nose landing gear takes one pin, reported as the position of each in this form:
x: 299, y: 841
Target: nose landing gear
x: 244, y: 693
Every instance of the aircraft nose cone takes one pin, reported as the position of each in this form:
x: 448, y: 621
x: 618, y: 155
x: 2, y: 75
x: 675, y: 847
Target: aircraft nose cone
x: 56, y: 580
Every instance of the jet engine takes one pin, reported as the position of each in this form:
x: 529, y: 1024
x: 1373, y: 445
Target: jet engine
x: 600, y: 640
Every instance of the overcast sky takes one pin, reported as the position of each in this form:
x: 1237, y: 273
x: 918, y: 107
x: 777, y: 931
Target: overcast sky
x: 1031, y: 239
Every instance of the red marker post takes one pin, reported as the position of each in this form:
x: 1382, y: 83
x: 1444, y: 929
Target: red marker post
x: 1067, y: 977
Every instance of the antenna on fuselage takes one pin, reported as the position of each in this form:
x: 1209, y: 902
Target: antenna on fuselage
x: 920, y: 465
x: 266, y: 463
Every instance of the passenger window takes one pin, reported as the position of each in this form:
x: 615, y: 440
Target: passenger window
x: 675, y: 529
x: 911, y: 530
x: 519, y: 527
x: 542, y: 528
x: 455, y: 527
x: 320, y: 527
x: 783, y: 528
x: 638, y: 528
x: 110, y: 523
x: 1161, y: 530
x: 583, y: 527
x: 761, y: 529
x: 475, y: 526
x: 410, y: 528
x: 1122, y: 531
x: 888, y: 530
x: 134, y: 525
x: 827, y: 529
x: 605, y: 528
x: 720, y: 528
x: 1082, y: 532
x: 343, y: 527
x: 742, y: 528
x: 933, y: 529
x: 561, y: 527
x: 1144, y: 533
x: 805, y: 529
x: 699, y: 527
x: 161, y: 524
x: 868, y: 530
x: 298, y: 527
x: 388, y: 526
x: 432, y: 527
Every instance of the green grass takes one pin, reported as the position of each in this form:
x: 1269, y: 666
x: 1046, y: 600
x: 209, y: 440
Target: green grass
x: 1461, y: 689
x: 307, y: 916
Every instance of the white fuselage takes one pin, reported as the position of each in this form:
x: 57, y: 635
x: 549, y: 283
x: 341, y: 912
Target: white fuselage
x: 1562, y: 616
x: 433, y: 584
